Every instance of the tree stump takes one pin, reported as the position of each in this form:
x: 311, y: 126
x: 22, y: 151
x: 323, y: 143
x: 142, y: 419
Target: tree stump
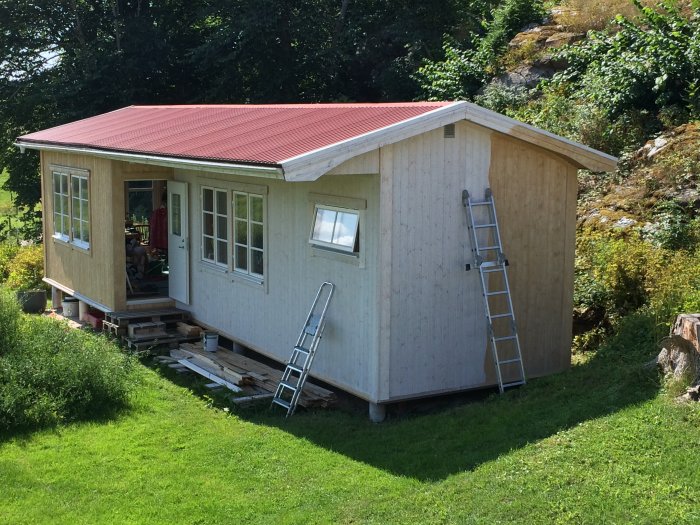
x: 680, y: 353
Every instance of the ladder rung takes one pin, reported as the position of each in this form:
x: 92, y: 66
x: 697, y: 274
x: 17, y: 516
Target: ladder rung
x: 484, y: 225
x: 282, y: 402
x: 288, y: 385
x: 513, y: 383
x: 296, y: 368
x: 499, y: 316
x: 488, y: 248
x: 497, y: 266
x: 301, y: 350
x: 508, y: 361
x: 506, y: 338
x: 480, y: 203
x: 502, y: 292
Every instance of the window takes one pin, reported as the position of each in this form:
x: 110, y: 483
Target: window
x: 335, y: 228
x: 71, y: 207
x: 248, y: 234
x: 215, y: 226
x: 139, y: 200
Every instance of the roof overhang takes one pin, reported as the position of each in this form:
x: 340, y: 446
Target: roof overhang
x: 250, y: 170
x: 311, y: 165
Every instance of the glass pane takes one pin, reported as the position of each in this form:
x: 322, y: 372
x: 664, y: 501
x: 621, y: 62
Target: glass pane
x: 83, y: 187
x: 256, y: 208
x: 76, y: 207
x: 175, y: 214
x: 256, y: 232
x: 85, y: 232
x: 76, y: 186
x: 241, y: 232
x: 207, y: 199
x: 256, y: 262
x: 76, y: 228
x: 140, y: 184
x: 221, y: 229
x: 222, y: 252
x: 241, y: 204
x: 208, y: 248
x: 57, y: 223
x: 84, y: 210
x: 208, y: 224
x: 241, y: 257
x: 57, y: 203
x: 64, y: 184
x: 345, y: 229
x: 56, y: 183
x: 323, y: 225
x: 140, y: 205
x: 221, y: 202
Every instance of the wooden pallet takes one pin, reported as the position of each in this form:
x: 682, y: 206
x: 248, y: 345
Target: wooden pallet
x: 263, y: 378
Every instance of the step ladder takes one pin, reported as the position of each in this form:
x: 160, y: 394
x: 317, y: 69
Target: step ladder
x: 491, y: 262
x: 295, y: 374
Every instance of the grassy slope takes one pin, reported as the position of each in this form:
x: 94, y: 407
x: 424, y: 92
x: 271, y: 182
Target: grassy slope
x: 596, y: 444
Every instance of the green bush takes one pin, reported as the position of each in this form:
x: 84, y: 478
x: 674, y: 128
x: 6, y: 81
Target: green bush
x: 8, y: 251
x: 26, y: 269
x: 53, y: 374
x: 9, y: 321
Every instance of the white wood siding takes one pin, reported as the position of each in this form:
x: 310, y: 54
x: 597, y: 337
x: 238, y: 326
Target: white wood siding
x: 268, y: 317
x: 437, y: 331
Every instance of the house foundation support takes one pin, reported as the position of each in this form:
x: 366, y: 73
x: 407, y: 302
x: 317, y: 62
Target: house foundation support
x: 82, y: 310
x: 377, y: 412
x: 56, y: 297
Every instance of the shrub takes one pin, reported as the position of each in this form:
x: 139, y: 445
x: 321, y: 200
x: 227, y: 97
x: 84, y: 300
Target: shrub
x: 8, y: 251
x: 26, y: 269
x: 56, y: 374
x: 9, y: 321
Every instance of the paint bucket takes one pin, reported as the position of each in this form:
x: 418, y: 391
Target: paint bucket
x: 70, y: 307
x: 210, y: 340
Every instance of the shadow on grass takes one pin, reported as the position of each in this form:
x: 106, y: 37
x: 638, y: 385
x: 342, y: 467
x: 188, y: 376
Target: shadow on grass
x: 434, y: 446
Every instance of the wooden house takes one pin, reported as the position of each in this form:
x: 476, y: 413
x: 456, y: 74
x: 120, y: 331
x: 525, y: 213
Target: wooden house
x: 251, y: 193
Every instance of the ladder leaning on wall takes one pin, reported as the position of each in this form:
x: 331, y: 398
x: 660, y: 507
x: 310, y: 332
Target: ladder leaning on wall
x: 297, y: 369
x: 491, y: 263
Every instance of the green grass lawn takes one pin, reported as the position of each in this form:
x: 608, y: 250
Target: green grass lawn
x: 601, y: 443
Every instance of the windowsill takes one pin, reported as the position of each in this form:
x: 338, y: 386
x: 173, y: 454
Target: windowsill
x: 325, y: 253
x: 72, y: 245
x: 233, y: 276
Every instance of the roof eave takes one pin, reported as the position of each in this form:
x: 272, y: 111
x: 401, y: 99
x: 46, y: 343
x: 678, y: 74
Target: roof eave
x: 312, y: 165
x: 250, y: 170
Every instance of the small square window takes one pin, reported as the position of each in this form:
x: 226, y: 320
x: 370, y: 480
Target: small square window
x: 336, y: 228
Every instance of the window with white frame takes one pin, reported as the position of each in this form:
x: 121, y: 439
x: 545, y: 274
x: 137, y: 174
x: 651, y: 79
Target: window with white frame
x: 215, y: 226
x: 336, y: 228
x: 71, y: 207
x: 248, y: 234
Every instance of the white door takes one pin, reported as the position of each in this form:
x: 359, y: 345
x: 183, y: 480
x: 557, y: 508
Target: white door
x: 178, y: 242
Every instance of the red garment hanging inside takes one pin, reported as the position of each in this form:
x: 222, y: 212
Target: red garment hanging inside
x: 159, y: 229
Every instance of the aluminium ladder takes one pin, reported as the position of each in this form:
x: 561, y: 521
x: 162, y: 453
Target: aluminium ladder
x: 491, y: 262
x: 297, y: 369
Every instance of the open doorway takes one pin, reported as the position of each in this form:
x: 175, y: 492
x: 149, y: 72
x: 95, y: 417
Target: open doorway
x: 146, y: 239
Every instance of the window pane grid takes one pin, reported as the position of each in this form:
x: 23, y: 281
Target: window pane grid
x: 248, y: 234
x: 215, y: 226
x: 71, y: 211
x: 335, y: 228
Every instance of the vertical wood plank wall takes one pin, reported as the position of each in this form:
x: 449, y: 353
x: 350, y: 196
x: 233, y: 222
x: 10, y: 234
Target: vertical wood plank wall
x: 98, y: 274
x: 91, y: 273
x: 535, y: 195
x: 268, y: 318
x: 437, y: 329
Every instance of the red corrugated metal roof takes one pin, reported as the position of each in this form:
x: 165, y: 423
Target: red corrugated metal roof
x: 249, y: 134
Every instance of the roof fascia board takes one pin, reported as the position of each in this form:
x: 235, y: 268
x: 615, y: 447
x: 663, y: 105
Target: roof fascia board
x: 584, y: 156
x: 272, y: 172
x: 312, y: 165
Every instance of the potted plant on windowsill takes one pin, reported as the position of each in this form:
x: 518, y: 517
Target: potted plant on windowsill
x: 25, y: 277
